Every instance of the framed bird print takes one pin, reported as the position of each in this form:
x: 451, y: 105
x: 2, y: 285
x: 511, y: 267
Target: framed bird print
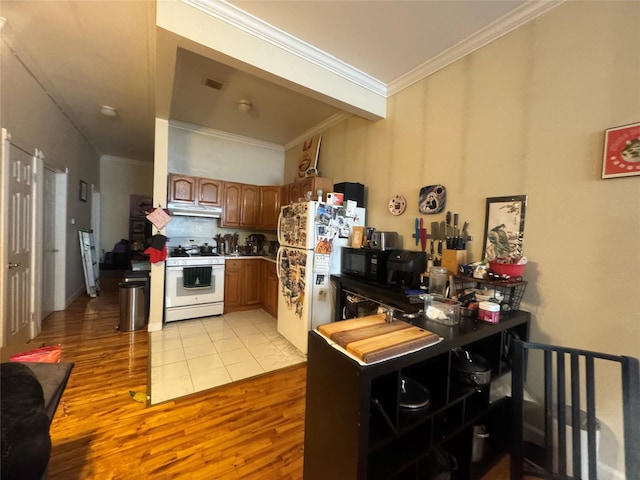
x: 504, y: 227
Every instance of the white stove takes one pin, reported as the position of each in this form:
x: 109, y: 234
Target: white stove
x: 194, y: 286
x: 194, y: 260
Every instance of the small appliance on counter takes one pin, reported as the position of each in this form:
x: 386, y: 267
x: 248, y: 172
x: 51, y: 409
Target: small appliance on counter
x: 384, y: 240
x: 365, y: 263
x: 255, y: 243
x: 368, y: 236
x: 404, y: 268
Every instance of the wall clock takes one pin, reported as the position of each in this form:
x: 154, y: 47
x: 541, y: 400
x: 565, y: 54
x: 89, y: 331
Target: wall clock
x: 397, y: 205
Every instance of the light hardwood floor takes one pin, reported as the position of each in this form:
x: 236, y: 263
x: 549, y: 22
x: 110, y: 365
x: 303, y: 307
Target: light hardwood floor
x: 252, y: 429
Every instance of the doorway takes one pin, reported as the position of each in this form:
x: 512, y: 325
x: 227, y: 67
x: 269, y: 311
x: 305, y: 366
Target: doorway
x: 54, y: 240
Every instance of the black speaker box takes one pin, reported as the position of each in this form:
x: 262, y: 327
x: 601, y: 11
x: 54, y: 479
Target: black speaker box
x: 351, y: 191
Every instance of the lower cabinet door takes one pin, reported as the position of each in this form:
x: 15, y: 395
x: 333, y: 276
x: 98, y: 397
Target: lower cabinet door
x: 251, y: 282
x: 232, y: 287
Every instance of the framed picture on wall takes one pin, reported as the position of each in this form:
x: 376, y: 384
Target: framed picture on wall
x: 504, y: 227
x: 83, y: 191
x: 621, y: 151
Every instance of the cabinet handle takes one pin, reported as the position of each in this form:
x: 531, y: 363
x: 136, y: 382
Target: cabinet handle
x: 14, y: 265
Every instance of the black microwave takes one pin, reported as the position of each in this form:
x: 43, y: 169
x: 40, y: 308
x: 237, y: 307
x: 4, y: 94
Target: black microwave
x: 365, y: 263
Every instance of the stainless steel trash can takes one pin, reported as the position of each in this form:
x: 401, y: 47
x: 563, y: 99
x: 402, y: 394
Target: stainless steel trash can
x: 134, y: 276
x: 132, y: 306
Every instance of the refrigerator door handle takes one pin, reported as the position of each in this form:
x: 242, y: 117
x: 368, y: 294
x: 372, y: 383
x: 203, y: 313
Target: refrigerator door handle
x: 279, y: 223
x: 278, y: 263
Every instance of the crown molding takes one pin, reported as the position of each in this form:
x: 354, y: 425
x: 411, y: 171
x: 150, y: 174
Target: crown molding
x: 242, y: 20
x: 125, y: 161
x: 225, y: 135
x: 497, y: 29
x: 319, y: 128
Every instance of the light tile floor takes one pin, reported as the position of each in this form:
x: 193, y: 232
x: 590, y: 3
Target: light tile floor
x: 193, y: 355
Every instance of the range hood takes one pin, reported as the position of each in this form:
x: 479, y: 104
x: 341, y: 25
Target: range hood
x: 194, y: 210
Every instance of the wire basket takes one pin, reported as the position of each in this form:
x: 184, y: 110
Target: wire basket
x: 510, y: 290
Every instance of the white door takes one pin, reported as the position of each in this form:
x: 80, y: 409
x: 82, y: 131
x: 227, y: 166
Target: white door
x: 49, y: 243
x: 16, y: 219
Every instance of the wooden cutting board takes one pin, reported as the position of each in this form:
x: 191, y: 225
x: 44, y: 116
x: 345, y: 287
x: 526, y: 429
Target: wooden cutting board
x: 372, y: 338
x: 329, y: 329
x: 355, y: 335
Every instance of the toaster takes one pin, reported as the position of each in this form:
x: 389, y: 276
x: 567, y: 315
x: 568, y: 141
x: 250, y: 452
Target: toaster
x: 384, y: 240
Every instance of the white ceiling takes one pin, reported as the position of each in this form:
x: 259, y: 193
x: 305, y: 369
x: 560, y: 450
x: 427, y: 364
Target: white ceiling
x: 90, y: 53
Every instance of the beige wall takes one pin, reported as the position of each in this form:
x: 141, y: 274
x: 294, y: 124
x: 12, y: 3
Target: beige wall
x: 208, y: 153
x: 34, y: 121
x: 525, y: 115
x: 119, y: 179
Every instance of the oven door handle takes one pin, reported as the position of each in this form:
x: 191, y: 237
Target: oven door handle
x: 197, y: 288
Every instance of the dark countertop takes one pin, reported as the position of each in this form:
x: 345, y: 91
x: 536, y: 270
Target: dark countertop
x: 469, y: 329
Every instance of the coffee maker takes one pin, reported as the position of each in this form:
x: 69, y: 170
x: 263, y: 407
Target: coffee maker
x: 255, y: 242
x: 404, y: 268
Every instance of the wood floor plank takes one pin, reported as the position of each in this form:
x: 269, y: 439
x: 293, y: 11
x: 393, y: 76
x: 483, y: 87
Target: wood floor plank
x: 253, y: 429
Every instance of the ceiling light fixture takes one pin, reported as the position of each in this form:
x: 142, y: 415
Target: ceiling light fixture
x: 244, y: 105
x: 108, y: 111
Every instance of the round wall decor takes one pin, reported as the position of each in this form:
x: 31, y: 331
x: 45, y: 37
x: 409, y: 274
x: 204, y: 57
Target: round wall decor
x: 397, y: 205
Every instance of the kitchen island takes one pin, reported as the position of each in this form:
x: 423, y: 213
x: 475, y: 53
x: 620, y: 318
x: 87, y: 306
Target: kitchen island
x: 355, y: 427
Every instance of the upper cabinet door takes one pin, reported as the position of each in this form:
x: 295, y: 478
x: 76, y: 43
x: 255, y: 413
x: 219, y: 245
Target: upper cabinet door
x: 295, y: 193
x: 232, y: 204
x: 210, y: 192
x: 269, y: 207
x: 284, y: 195
x: 249, y: 210
x: 182, y: 189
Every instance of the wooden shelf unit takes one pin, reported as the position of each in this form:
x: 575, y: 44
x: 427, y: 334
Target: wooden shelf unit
x: 346, y: 435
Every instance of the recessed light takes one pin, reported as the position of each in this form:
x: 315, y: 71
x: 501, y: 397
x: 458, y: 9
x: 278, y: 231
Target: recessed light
x: 108, y: 111
x: 244, y: 105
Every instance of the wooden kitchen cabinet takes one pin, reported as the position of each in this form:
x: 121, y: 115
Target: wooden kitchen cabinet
x: 298, y: 190
x: 232, y: 285
x: 188, y: 190
x: 268, y: 207
x: 313, y: 184
x: 284, y: 195
x: 269, y: 287
x: 182, y: 189
x: 295, y: 192
x: 240, y: 205
x: 210, y: 192
x: 248, y: 206
x: 231, y: 205
x: 242, y: 284
x: 251, y: 282
x: 271, y: 299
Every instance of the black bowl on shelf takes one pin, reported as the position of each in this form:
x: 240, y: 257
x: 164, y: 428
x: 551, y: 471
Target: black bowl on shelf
x: 413, y: 396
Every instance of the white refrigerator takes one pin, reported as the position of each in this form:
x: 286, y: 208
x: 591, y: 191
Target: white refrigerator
x: 311, y: 235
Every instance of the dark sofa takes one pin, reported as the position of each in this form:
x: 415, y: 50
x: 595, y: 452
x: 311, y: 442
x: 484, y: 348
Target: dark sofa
x: 29, y: 396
